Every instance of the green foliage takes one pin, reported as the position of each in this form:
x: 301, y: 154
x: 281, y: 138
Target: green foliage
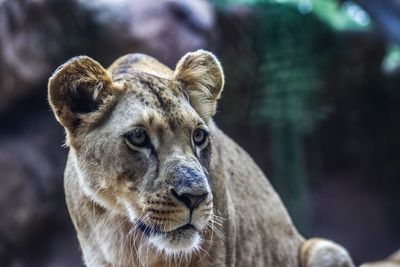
x: 293, y: 40
x: 340, y: 17
x: 290, y: 72
x: 391, y: 62
x: 349, y: 16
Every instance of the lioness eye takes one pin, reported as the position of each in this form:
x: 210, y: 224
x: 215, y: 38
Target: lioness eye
x: 137, y: 137
x: 200, y: 137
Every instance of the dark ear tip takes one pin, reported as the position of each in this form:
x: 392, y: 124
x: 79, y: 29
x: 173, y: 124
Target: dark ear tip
x: 75, y: 67
x: 72, y: 61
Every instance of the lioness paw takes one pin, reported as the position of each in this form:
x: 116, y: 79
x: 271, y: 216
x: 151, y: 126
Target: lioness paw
x: 318, y: 252
x: 392, y: 261
x: 381, y: 264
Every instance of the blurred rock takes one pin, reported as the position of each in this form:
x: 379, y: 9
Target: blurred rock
x: 30, y: 180
x: 34, y: 37
x: 31, y: 162
x: 165, y: 29
x: 37, y: 36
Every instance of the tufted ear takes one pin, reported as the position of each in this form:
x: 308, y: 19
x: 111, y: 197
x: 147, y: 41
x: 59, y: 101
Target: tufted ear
x: 201, y: 76
x: 79, y: 91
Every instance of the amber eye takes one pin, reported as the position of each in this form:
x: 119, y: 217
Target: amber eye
x: 200, y: 137
x: 137, y: 137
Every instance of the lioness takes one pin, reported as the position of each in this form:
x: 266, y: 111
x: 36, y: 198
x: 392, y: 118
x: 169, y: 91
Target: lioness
x: 151, y: 180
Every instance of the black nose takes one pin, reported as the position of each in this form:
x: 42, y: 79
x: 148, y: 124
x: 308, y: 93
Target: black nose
x: 191, y: 201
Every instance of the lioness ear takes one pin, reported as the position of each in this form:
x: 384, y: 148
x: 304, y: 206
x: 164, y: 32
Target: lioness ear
x: 77, y: 90
x: 201, y: 76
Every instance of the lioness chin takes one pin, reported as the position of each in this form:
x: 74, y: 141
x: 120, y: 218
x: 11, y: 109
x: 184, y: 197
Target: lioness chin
x: 150, y: 179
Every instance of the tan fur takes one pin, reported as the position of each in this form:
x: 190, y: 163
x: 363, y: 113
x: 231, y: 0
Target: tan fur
x: 194, y: 71
x: 130, y: 202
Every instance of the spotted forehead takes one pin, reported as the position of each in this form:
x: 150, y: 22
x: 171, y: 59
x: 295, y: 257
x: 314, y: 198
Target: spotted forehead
x: 163, y: 98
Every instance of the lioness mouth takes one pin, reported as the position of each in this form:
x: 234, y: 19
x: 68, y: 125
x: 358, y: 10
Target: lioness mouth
x: 186, y: 227
x: 151, y: 230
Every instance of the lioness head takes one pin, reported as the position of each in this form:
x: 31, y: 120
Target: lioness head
x: 139, y: 135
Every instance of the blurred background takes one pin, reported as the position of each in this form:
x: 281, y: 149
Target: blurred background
x: 312, y: 93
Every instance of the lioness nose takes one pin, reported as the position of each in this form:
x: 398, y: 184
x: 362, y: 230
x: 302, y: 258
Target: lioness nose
x: 191, y: 201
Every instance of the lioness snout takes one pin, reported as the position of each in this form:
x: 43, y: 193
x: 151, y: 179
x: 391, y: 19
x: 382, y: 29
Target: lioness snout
x: 191, y: 201
x: 189, y: 186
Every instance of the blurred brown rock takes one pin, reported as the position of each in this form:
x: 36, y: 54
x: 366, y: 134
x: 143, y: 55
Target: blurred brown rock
x: 37, y: 36
x: 165, y: 29
x: 31, y: 160
x: 33, y: 39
